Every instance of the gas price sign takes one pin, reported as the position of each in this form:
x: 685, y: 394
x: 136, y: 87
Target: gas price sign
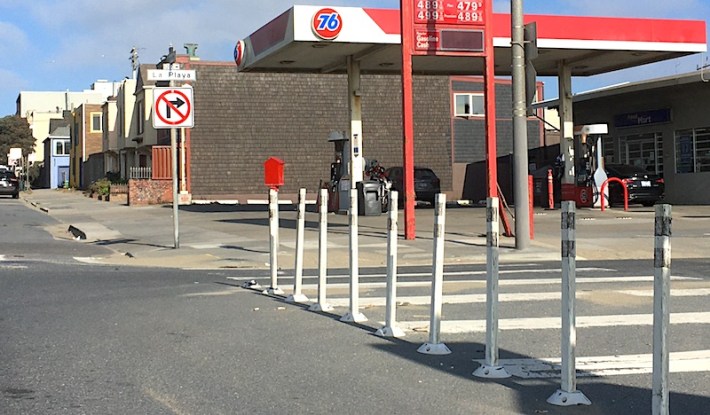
x: 450, y: 27
x: 453, y: 12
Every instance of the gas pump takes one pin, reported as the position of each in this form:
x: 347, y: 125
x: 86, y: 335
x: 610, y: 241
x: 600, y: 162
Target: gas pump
x: 589, y: 164
x: 339, y: 179
x: 339, y: 185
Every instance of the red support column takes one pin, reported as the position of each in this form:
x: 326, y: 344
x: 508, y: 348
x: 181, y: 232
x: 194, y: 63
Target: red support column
x: 531, y: 205
x: 407, y: 17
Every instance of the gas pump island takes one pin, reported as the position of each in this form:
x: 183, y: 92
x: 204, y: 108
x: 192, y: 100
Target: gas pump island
x: 352, y: 40
x: 588, y: 175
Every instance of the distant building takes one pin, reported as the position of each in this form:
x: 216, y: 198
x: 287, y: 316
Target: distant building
x: 40, y: 107
x: 86, y: 145
x: 57, y: 150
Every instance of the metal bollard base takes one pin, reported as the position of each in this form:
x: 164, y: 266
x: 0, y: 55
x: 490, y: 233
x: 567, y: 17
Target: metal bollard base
x: 434, y: 349
x: 273, y: 291
x: 321, y: 307
x: 390, y: 332
x: 563, y: 398
x: 353, y: 318
x: 297, y: 298
x: 491, y: 372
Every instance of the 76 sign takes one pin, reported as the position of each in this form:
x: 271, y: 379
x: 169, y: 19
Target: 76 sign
x: 327, y: 23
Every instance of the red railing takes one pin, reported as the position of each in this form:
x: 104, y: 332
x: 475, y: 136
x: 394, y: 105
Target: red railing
x: 626, y: 192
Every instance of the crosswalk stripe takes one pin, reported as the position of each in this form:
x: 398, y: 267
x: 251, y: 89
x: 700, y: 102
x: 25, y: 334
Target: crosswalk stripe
x: 504, y: 297
x: 502, y: 282
x: 515, y: 270
x: 691, y: 292
x: 691, y: 361
x: 448, y: 299
x: 540, y: 323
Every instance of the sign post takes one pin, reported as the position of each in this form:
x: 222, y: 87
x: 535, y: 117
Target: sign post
x: 172, y: 108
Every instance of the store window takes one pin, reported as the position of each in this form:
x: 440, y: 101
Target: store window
x: 644, y: 150
x: 692, y: 150
x: 469, y: 105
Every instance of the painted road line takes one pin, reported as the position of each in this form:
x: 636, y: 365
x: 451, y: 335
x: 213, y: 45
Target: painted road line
x: 514, y: 282
x: 691, y: 292
x: 542, y: 323
x: 680, y: 362
x: 508, y: 297
x: 449, y: 274
x: 448, y: 299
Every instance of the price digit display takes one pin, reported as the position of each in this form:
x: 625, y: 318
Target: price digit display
x: 455, y: 12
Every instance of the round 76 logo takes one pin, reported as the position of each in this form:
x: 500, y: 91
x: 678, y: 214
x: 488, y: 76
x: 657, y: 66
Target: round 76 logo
x: 327, y: 24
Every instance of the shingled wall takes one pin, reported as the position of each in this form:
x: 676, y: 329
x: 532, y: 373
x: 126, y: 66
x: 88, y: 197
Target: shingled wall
x: 241, y: 119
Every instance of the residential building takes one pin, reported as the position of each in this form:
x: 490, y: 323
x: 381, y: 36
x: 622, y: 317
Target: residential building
x: 110, y: 132
x: 40, y: 107
x: 86, y: 145
x: 57, y: 151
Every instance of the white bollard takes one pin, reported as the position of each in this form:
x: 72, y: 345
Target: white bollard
x: 390, y: 329
x: 491, y: 368
x: 354, y: 315
x: 434, y: 346
x: 661, y: 308
x: 274, y: 242
x: 298, y: 296
x: 568, y: 394
x: 322, y: 304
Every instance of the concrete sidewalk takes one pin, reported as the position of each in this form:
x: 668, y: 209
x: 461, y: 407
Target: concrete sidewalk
x: 237, y: 236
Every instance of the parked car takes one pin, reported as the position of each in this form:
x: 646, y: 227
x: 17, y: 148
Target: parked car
x: 644, y: 187
x: 9, y: 185
x: 426, y: 183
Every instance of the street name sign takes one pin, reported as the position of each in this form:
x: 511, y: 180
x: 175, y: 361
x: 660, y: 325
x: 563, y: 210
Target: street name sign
x: 172, y: 108
x: 171, y: 75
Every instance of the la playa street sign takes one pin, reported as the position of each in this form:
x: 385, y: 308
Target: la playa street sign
x: 171, y: 75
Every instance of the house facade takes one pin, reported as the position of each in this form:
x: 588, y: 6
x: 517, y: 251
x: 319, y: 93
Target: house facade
x: 57, y: 148
x: 86, y: 153
x: 40, y: 107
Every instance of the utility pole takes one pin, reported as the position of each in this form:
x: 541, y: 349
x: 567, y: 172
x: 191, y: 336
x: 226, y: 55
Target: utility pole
x: 520, y: 133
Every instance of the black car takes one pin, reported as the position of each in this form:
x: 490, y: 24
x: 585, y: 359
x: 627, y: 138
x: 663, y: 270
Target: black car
x: 9, y: 185
x: 644, y: 187
x: 426, y: 183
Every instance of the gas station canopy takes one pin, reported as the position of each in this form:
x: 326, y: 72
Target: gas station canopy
x: 587, y: 45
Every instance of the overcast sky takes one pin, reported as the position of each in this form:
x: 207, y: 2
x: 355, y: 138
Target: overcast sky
x: 57, y: 45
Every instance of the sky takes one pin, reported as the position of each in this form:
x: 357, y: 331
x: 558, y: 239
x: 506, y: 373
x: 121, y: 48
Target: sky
x: 59, y: 45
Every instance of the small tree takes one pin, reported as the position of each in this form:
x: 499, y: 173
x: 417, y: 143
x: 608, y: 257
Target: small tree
x: 15, y: 132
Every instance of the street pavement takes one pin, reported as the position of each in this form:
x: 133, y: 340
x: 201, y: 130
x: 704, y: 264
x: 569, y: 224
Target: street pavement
x: 222, y: 236
x: 615, y: 283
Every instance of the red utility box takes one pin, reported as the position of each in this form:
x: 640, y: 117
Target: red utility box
x: 274, y: 173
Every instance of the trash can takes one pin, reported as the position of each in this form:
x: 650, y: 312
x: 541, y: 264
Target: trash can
x: 368, y: 200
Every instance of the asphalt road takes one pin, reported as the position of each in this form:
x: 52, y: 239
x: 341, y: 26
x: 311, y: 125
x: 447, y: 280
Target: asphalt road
x: 88, y: 339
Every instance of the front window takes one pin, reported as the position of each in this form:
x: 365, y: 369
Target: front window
x: 61, y: 147
x: 96, y: 122
x: 469, y: 105
x: 140, y: 109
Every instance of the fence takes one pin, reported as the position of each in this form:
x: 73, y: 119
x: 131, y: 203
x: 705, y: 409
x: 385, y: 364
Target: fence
x: 140, y: 173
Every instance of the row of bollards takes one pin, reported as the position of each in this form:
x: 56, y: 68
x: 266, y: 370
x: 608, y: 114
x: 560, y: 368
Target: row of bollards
x: 567, y: 394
